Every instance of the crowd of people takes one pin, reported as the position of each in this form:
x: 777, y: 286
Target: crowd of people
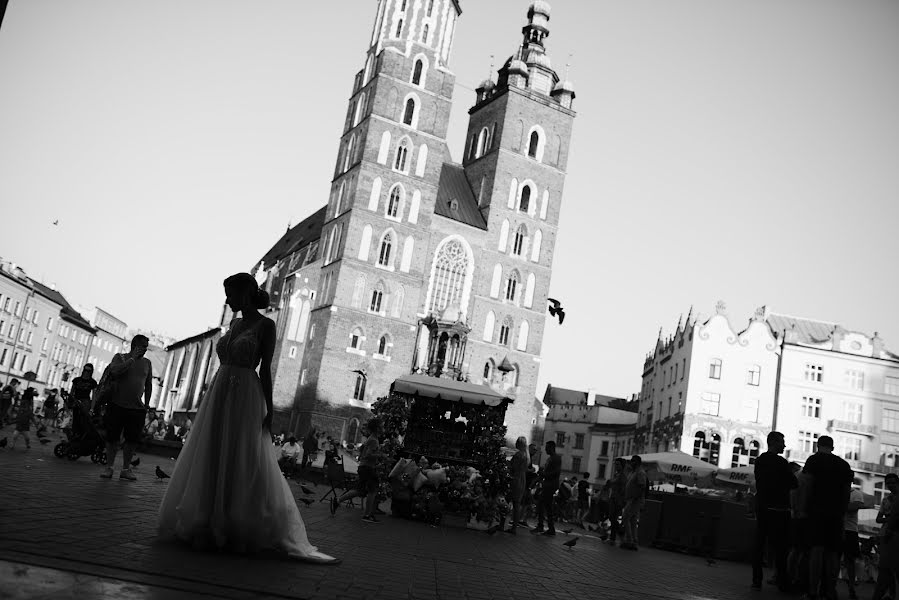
x: 807, y: 518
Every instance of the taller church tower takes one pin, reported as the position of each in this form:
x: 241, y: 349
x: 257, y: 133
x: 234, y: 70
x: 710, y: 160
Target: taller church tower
x: 428, y: 266
x: 379, y: 214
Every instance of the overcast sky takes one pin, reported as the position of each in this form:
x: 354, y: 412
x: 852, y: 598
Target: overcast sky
x: 746, y: 151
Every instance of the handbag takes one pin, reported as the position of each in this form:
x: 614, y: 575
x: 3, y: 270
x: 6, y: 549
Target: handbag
x: 106, y: 389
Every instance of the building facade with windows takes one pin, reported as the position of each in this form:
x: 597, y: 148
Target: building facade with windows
x: 110, y: 339
x: 40, y: 332
x: 708, y: 390
x: 417, y: 263
x: 587, y: 428
x: 840, y: 383
x: 190, y: 365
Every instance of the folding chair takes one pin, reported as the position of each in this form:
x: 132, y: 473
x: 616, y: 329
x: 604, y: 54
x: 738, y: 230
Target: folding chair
x: 336, y: 477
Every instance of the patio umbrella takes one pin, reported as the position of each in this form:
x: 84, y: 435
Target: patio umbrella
x: 677, y: 467
x: 739, y: 476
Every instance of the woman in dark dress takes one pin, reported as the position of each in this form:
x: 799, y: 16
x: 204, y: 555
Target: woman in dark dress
x: 518, y: 469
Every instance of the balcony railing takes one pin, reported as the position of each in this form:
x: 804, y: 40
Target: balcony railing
x: 836, y: 424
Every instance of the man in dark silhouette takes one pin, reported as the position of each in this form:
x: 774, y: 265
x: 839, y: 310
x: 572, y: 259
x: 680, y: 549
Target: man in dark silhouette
x: 830, y: 478
x: 550, y: 473
x: 773, y: 481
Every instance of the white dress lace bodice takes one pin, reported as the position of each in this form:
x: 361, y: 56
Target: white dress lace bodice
x: 239, y: 347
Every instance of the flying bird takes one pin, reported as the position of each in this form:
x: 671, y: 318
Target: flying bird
x: 56, y: 222
x: 570, y: 543
x: 305, y: 489
x: 3, y: 442
x: 361, y: 372
x: 556, y: 309
x: 135, y: 462
x: 306, y: 501
x: 160, y: 474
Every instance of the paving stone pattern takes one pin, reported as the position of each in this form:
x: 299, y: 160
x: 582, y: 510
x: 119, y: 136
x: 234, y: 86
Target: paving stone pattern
x: 59, y: 514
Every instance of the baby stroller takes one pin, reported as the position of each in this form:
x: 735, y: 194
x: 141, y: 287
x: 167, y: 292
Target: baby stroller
x: 84, y: 438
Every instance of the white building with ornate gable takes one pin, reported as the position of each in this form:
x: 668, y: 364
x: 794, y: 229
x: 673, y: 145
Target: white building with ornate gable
x: 708, y: 390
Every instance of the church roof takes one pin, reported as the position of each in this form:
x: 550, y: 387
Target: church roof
x: 454, y: 186
x: 297, y: 236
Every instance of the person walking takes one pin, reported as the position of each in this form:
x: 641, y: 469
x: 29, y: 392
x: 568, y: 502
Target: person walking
x: 886, y: 576
x: 616, y: 498
x: 634, y: 497
x: 774, y: 480
x: 310, y: 447
x: 367, y: 473
x: 518, y: 470
x: 125, y: 412
x: 550, y: 474
x: 850, y: 550
x: 25, y: 417
x: 583, y: 498
x: 8, y: 396
x: 83, y: 387
x: 226, y: 490
x: 828, y: 499
x: 50, y: 408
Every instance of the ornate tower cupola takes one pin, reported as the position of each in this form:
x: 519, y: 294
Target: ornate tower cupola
x: 538, y: 19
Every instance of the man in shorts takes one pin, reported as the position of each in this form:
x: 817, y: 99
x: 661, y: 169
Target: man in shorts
x: 367, y: 473
x: 125, y: 413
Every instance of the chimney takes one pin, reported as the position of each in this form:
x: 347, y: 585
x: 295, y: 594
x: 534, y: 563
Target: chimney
x: 591, y: 397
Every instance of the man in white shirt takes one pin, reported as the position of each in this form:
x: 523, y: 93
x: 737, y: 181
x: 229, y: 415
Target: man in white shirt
x: 850, y: 537
x: 290, y: 455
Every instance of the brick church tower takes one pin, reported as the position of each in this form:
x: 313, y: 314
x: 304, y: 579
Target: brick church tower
x: 418, y: 264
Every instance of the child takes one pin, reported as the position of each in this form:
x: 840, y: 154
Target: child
x: 24, y: 418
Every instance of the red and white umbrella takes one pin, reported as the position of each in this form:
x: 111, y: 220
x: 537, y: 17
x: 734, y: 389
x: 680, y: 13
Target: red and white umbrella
x: 740, y: 476
x: 677, y: 467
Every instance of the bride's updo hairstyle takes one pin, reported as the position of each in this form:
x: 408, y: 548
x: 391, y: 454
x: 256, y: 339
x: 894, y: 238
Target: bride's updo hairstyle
x: 245, y: 283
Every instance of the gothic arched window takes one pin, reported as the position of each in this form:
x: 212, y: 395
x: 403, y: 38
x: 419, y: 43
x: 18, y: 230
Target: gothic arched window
x: 753, y: 451
x: 416, y: 72
x: 402, y: 153
x: 533, y: 143
x: 393, y: 202
x: 399, y: 28
x: 424, y: 35
x: 409, y: 111
x: 384, y: 251
x: 483, y: 142
x: 505, y: 331
x: 359, y: 390
x: 450, y: 270
x: 512, y: 286
x: 518, y: 243
x: 382, y: 345
x: 430, y: 7
x: 488, y: 370
x: 525, y: 200
x: 377, y: 295
x: 356, y: 339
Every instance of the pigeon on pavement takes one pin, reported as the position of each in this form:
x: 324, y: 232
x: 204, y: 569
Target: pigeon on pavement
x: 570, y: 543
x: 160, y: 474
x: 135, y: 462
x: 306, y: 501
x: 305, y: 489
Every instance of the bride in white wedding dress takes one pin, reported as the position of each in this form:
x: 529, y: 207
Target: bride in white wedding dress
x: 227, y: 490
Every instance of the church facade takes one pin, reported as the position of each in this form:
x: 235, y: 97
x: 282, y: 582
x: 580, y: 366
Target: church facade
x: 418, y: 264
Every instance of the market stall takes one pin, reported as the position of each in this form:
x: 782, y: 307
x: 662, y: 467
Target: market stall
x: 448, y: 439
